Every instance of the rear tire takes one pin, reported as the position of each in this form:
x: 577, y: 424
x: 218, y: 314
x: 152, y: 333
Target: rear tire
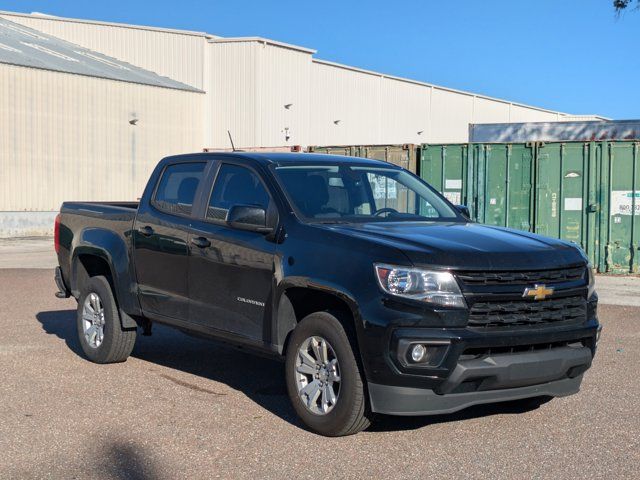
x: 102, y: 338
x: 346, y: 413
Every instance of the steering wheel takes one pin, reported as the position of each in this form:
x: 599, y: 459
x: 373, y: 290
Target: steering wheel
x: 380, y: 211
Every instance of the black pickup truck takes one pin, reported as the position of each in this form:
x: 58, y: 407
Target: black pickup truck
x: 380, y: 295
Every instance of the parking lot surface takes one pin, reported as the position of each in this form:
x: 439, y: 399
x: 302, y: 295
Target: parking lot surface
x: 182, y: 407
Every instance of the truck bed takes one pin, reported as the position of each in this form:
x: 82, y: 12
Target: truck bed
x: 89, y: 223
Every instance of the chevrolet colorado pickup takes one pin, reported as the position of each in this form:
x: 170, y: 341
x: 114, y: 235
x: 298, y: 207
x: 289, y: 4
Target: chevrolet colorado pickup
x: 379, y: 294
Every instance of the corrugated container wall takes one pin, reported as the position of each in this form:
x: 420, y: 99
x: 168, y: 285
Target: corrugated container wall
x: 404, y: 156
x: 167, y: 53
x: 69, y: 137
x: 584, y: 192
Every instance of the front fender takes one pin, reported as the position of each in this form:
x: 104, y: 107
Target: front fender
x: 283, y: 320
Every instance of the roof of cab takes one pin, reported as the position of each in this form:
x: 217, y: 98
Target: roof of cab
x: 280, y: 158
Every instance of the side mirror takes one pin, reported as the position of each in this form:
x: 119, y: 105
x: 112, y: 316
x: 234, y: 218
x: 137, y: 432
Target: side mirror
x: 464, y: 210
x: 248, y: 217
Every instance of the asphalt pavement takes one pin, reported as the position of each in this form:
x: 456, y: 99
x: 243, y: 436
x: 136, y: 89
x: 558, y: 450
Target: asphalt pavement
x: 183, y: 407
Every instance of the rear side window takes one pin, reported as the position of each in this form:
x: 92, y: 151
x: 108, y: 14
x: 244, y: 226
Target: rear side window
x: 177, y: 188
x: 235, y: 185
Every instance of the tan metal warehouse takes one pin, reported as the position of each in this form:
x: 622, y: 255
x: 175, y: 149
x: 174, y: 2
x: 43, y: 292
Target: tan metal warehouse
x: 76, y: 124
x: 69, y: 135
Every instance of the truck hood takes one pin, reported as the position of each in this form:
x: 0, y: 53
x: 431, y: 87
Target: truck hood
x: 468, y: 246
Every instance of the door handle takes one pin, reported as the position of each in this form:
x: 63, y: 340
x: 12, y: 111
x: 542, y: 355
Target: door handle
x: 146, y: 231
x: 200, y: 242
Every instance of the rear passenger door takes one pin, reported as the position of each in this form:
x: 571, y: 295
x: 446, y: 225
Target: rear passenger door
x: 231, y: 270
x: 160, y: 240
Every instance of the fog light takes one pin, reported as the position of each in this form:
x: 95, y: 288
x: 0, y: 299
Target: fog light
x: 418, y: 352
x: 422, y: 353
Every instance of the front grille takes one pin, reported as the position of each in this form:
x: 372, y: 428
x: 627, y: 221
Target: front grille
x: 518, y: 278
x: 527, y: 312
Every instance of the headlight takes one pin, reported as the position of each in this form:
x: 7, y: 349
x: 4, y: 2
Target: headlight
x: 439, y: 288
x: 592, y: 280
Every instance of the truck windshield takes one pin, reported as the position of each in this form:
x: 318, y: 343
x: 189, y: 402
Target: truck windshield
x: 348, y: 193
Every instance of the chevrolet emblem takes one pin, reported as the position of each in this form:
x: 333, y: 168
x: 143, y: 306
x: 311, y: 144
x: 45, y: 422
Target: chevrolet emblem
x: 538, y: 292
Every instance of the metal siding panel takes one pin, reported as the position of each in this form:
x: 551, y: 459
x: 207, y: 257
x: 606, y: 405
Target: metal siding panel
x: 524, y: 114
x: 284, y: 78
x: 450, y: 116
x: 372, y: 109
x: 232, y: 94
x: 490, y: 111
x: 348, y: 96
x: 69, y: 137
x: 404, y: 111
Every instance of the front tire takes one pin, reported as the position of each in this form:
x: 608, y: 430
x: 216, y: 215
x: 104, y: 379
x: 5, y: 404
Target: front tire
x: 102, y: 338
x: 324, y: 382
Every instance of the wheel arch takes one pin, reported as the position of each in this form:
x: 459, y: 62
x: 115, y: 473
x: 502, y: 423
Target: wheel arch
x: 102, y: 252
x: 296, y: 301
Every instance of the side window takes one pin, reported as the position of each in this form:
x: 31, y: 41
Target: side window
x: 235, y: 185
x: 177, y: 188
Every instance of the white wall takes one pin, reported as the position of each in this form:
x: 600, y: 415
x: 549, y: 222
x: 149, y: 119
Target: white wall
x: 377, y: 109
x: 347, y: 97
x: 248, y: 82
x: 251, y: 82
x: 68, y: 137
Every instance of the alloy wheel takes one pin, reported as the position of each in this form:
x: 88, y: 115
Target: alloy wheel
x: 317, y: 375
x: 93, y: 320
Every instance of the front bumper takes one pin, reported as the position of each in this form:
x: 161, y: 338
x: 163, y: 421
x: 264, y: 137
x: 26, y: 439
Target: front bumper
x: 394, y: 400
x: 482, y: 367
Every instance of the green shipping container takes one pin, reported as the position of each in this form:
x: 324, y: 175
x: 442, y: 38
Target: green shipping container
x: 494, y: 181
x: 502, y: 190
x: 619, y: 207
x: 404, y: 156
x: 584, y: 192
x: 445, y: 168
x: 566, y: 204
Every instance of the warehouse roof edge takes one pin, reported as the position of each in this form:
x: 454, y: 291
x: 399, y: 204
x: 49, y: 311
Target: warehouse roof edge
x: 27, y: 47
x: 218, y: 39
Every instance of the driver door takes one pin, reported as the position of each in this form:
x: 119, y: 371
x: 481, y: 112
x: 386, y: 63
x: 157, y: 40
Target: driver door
x: 231, y: 270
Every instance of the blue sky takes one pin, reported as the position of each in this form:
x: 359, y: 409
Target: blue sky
x: 569, y: 55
